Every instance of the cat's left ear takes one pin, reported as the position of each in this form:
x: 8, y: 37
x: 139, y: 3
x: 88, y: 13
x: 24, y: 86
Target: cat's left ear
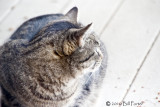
x: 72, y: 14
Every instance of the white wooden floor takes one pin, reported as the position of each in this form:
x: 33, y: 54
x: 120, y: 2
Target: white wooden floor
x: 130, y: 30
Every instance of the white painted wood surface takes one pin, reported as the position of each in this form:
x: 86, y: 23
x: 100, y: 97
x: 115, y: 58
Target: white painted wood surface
x: 146, y: 87
x: 127, y: 27
x: 6, y: 6
x: 128, y: 38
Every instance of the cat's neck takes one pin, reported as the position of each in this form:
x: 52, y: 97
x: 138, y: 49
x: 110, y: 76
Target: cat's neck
x: 49, y: 83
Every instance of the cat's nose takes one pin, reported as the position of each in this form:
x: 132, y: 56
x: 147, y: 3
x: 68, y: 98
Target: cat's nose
x: 98, y: 51
x: 97, y: 43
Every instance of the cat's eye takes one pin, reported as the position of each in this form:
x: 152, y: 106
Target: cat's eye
x: 97, y: 43
x: 57, y: 53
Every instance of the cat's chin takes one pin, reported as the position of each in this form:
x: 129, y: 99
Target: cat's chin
x: 96, y: 65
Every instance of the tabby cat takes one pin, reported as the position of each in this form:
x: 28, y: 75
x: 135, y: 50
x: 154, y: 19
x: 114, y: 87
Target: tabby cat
x: 50, y: 61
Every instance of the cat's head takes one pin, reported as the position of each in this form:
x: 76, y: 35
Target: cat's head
x: 70, y: 46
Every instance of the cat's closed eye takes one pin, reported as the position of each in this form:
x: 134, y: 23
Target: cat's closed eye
x: 56, y: 53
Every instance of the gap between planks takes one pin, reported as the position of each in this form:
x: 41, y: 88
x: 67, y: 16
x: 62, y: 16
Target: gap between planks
x: 111, y: 17
x: 141, y: 64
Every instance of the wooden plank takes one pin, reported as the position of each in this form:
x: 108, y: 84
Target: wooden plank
x: 146, y: 87
x: 97, y: 12
x: 128, y: 38
x: 27, y: 9
x: 6, y: 7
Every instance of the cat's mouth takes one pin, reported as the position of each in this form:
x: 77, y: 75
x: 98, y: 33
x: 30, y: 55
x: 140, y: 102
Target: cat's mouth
x: 86, y: 59
x: 96, y: 64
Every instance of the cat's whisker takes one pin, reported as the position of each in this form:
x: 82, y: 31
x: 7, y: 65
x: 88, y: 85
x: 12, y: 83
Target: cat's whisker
x: 89, y: 78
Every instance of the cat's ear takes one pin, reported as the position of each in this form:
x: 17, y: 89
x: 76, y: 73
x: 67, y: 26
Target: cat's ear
x: 72, y: 14
x: 79, y: 34
x: 75, y: 39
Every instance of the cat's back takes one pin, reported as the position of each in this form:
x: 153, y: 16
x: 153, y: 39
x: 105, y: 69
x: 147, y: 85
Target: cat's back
x: 31, y: 27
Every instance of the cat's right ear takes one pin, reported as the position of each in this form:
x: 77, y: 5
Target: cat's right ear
x: 76, y: 39
x: 72, y: 14
x: 79, y: 34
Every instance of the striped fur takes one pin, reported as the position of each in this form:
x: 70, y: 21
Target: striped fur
x: 50, y: 61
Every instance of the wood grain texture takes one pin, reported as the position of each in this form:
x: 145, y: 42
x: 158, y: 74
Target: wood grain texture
x: 146, y: 86
x: 128, y: 38
x: 6, y: 6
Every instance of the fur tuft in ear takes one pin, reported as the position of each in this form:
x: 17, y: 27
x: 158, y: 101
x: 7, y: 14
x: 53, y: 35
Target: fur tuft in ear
x: 72, y: 14
x: 79, y: 34
x: 75, y: 40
